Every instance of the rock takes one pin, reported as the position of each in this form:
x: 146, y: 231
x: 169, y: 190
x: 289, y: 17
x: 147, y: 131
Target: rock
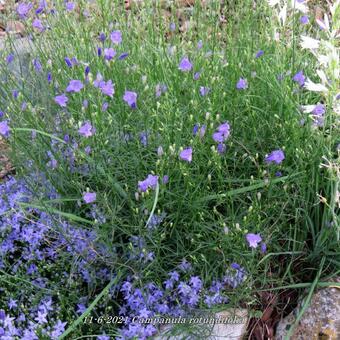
x: 15, y: 27
x: 321, y: 319
x: 231, y: 330
x: 19, y: 46
x: 230, y: 324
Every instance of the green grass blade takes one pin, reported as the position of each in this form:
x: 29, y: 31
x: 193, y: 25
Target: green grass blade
x: 41, y: 133
x: 90, y: 308
x: 249, y: 188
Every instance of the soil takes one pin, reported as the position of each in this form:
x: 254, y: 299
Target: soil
x: 6, y: 167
